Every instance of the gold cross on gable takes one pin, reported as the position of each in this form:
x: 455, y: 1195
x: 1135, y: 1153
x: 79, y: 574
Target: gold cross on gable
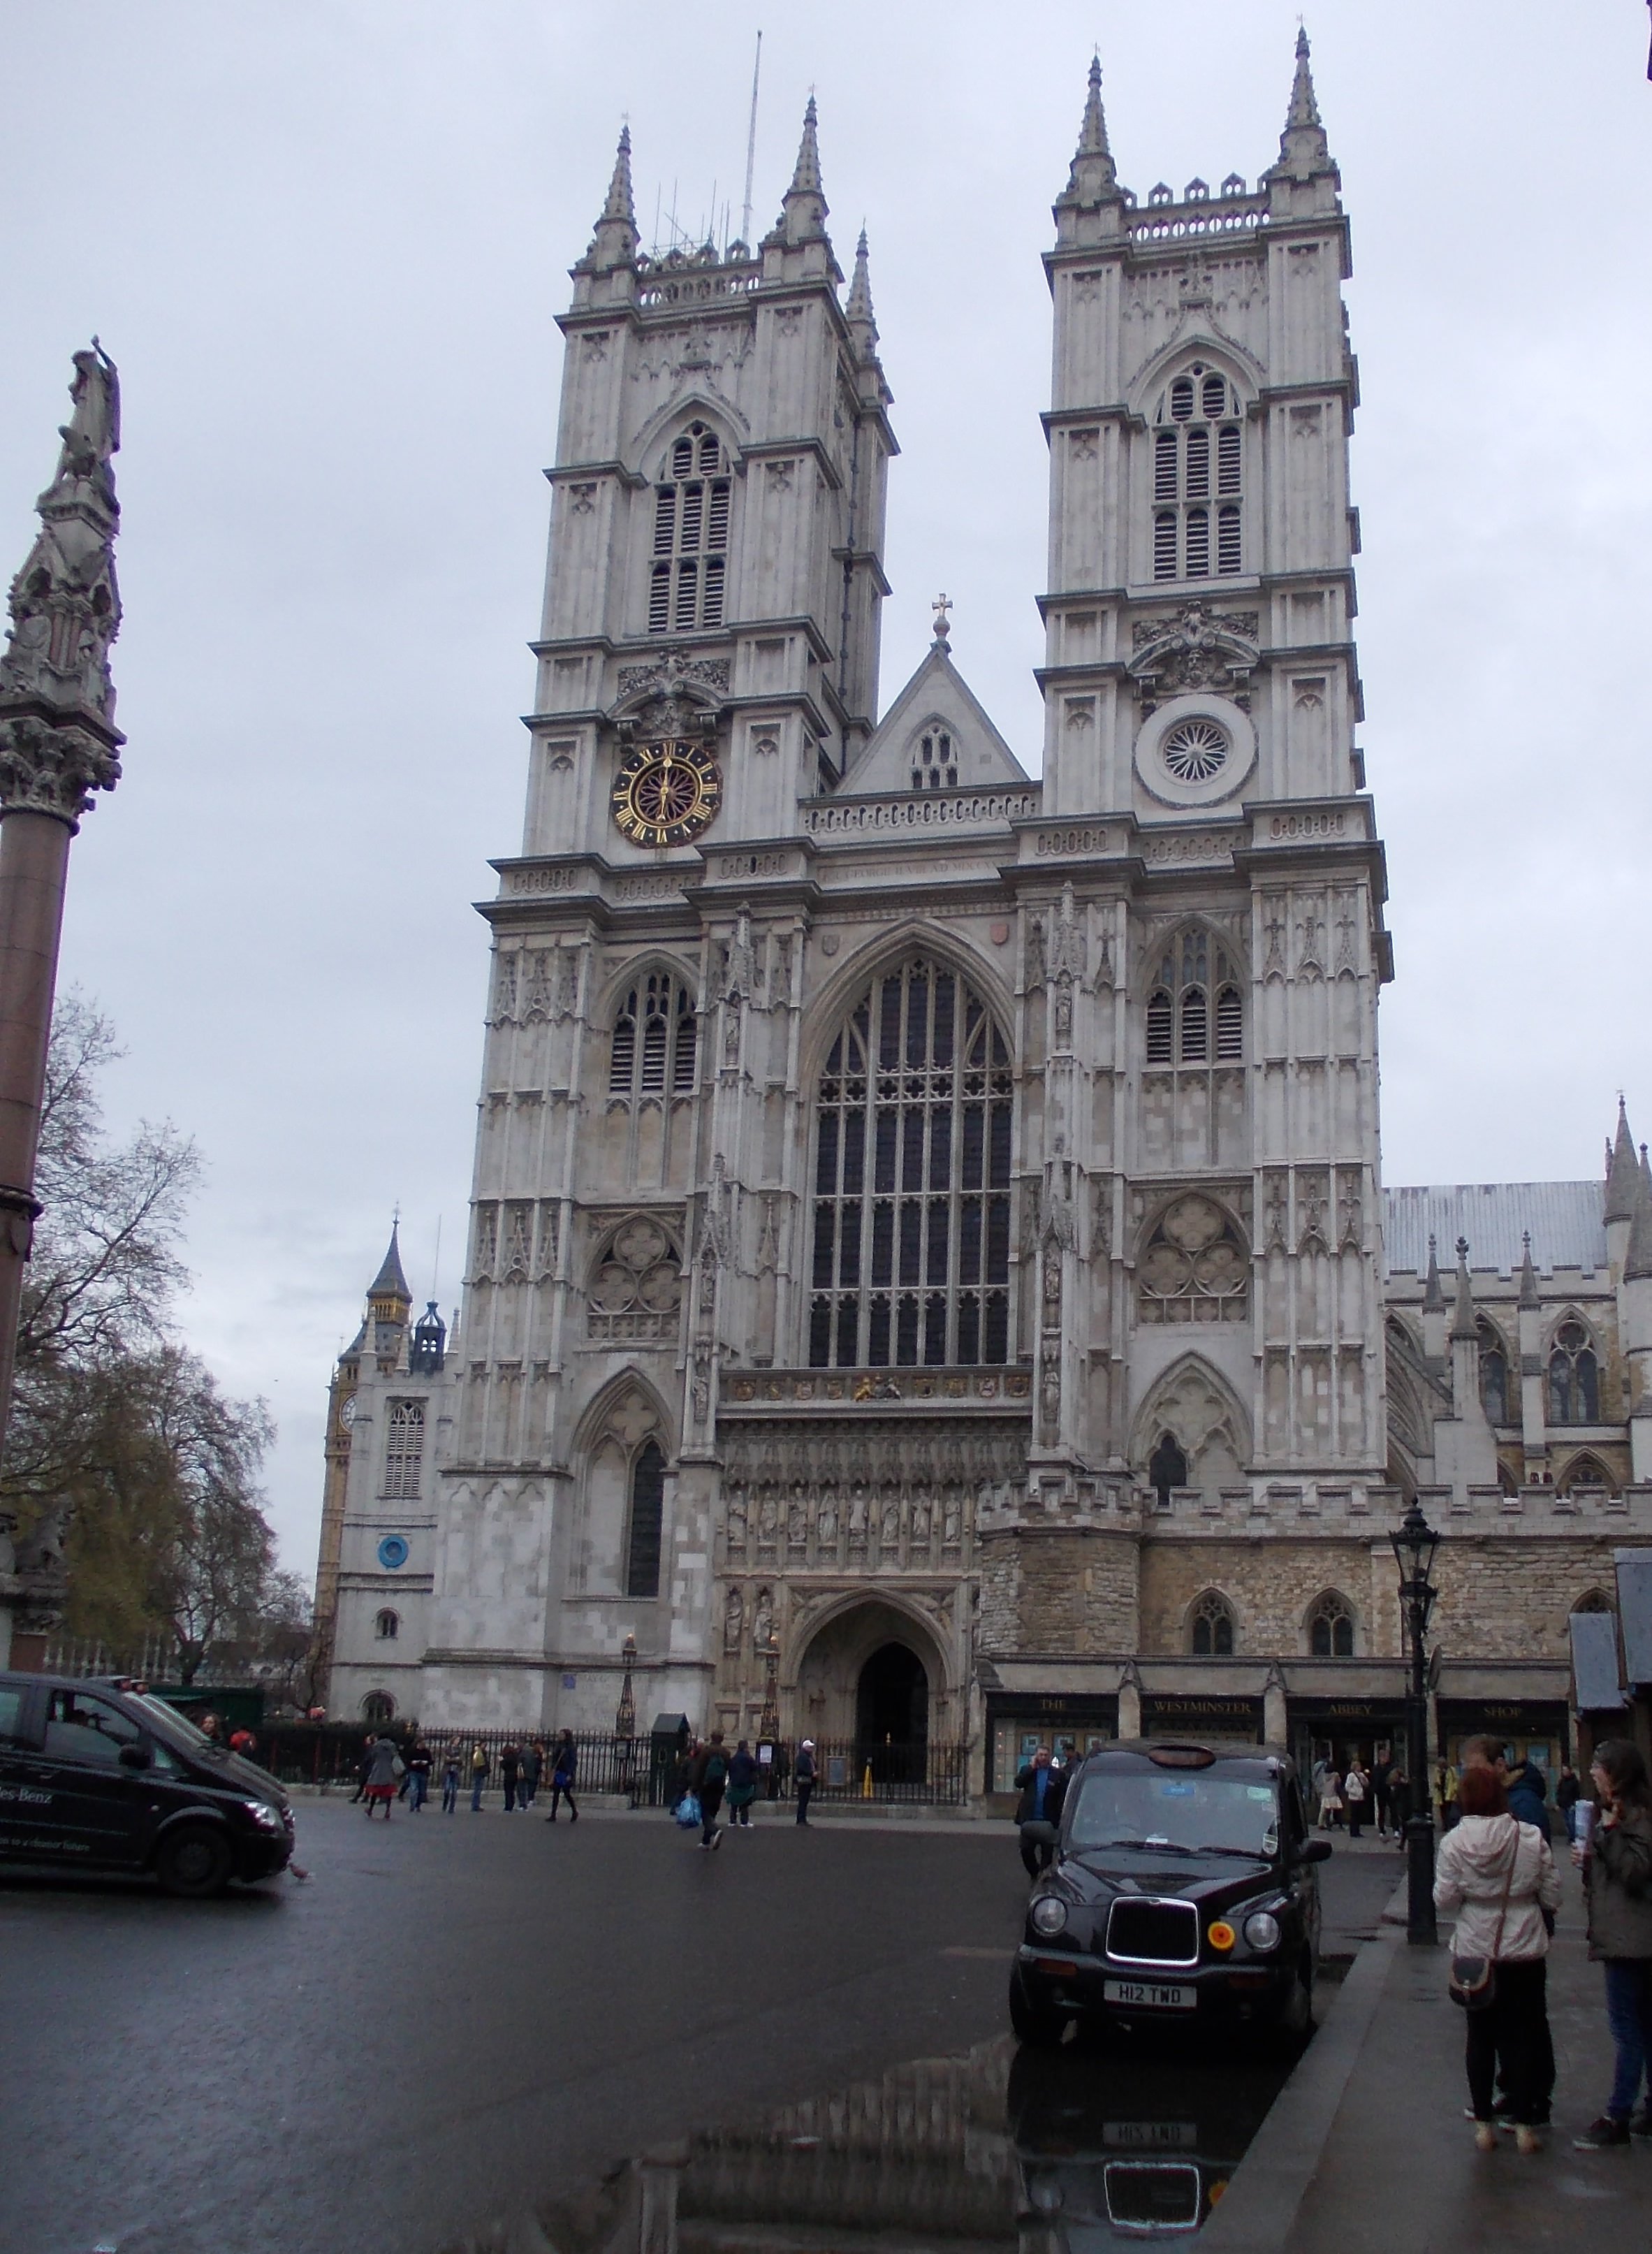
x: 941, y: 606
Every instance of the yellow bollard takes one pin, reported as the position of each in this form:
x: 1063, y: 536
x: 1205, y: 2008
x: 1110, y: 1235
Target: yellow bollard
x: 865, y: 1783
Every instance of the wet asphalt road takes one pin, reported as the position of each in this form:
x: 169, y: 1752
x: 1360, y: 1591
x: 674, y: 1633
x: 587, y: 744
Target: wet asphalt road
x: 454, y: 2015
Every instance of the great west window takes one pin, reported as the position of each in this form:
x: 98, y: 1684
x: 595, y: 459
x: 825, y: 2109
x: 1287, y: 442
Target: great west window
x: 911, y: 1256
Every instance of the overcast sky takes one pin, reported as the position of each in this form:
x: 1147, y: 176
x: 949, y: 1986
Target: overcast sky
x: 326, y: 244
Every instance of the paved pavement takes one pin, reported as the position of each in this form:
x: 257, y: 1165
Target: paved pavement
x: 455, y: 2012
x: 1372, y: 2125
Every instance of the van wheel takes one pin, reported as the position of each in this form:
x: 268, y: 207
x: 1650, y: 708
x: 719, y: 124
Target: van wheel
x: 1035, y: 2024
x: 193, y: 1862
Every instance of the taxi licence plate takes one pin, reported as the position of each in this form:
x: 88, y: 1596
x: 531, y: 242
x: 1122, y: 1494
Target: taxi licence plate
x: 1150, y: 1995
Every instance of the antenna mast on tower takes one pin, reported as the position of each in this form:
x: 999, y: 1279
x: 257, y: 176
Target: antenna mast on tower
x: 751, y: 149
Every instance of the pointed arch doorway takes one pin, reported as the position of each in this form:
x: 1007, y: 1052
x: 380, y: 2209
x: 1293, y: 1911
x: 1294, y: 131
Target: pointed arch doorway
x: 892, y: 1716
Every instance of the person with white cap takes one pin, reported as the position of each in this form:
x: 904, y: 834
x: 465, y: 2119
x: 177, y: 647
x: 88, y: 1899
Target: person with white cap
x: 804, y: 1776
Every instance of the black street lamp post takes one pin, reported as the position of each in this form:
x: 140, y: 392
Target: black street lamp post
x: 1415, y: 1543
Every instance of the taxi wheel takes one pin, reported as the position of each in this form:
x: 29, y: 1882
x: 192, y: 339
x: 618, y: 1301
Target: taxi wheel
x: 1035, y: 2024
x: 1295, y: 2023
x: 194, y: 1862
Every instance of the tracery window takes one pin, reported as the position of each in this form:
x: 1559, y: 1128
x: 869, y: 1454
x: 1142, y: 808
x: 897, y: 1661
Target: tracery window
x: 647, y: 1514
x: 1331, y: 1628
x: 1195, y: 1266
x: 1583, y: 1471
x: 1198, y: 472
x: 655, y: 1039
x: 1594, y: 1601
x: 911, y: 1256
x: 378, y: 1706
x: 1184, y: 1025
x: 1212, y: 1627
x: 1494, y: 1374
x: 638, y: 1285
x: 403, y: 1450
x: 386, y: 1626
x: 1574, y: 1377
x: 690, y: 535
x: 935, y: 762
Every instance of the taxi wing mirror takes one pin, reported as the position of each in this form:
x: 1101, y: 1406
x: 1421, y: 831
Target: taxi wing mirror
x: 1314, y: 1850
x: 137, y: 1757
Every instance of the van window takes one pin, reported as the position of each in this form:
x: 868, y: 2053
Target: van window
x: 81, y: 1727
x: 10, y: 1712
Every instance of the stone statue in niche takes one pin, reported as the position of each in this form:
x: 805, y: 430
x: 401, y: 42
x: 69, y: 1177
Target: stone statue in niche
x: 733, y: 1621
x: 1064, y: 1014
x: 702, y: 1390
x: 1052, y: 1289
x: 952, y: 1521
x: 857, y: 1516
x: 735, y: 1521
x: 732, y: 1029
x: 827, y: 1524
x: 769, y: 1518
x: 921, y: 1518
x: 763, y: 1626
x: 889, y: 1524
x: 1050, y: 1395
x: 797, y: 1519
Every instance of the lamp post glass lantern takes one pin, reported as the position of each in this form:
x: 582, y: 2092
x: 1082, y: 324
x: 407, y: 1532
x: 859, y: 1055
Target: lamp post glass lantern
x: 1415, y: 1543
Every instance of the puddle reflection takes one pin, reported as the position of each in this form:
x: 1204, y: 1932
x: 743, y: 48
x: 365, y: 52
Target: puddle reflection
x: 997, y: 2148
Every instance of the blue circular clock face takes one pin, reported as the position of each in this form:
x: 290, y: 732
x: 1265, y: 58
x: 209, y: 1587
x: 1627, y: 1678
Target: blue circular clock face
x: 393, y: 1551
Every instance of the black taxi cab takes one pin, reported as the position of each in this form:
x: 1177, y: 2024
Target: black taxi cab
x: 94, y: 1776
x: 1183, y: 1892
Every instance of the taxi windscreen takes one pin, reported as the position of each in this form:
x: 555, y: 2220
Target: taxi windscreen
x: 1137, y: 1807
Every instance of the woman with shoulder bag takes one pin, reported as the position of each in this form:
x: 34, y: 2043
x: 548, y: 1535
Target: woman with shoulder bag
x: 1498, y: 1877
x: 1615, y: 1851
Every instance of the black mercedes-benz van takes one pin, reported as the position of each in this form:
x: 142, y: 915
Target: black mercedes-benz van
x: 95, y: 1777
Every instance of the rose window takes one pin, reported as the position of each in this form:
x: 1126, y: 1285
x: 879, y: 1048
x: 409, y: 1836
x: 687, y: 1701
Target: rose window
x: 1195, y: 751
x: 1194, y: 1268
x: 638, y: 1288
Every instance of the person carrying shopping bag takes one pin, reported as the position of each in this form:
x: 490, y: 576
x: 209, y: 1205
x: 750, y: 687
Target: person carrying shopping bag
x: 1496, y: 1876
x: 1614, y: 1850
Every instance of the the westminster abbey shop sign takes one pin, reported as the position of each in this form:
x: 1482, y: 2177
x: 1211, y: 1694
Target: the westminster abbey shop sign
x: 928, y: 1227
x: 1193, y: 1714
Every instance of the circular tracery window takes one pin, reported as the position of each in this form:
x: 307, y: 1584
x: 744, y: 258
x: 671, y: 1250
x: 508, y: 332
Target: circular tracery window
x: 1195, y: 750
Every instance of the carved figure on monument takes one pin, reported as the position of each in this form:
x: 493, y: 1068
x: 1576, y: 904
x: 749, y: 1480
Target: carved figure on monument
x: 952, y: 1522
x: 889, y: 1524
x: 702, y: 1380
x: 922, y: 1517
x: 733, y: 1621
x: 763, y: 1626
x: 797, y: 1520
x: 1064, y: 1014
x: 736, y: 1521
x: 827, y: 1528
x: 857, y: 1517
x: 769, y: 1518
x: 1050, y: 1394
x: 1066, y: 955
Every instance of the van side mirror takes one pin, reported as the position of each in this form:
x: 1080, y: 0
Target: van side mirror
x: 1314, y: 1850
x: 137, y: 1757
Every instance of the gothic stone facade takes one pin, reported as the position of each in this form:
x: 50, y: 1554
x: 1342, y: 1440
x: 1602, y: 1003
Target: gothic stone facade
x: 917, y: 1204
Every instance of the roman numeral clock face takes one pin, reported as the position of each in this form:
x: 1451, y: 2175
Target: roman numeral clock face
x: 666, y: 794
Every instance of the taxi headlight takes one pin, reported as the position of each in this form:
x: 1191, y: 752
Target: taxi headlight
x: 1262, y: 1930
x: 1048, y: 1914
x: 266, y: 1817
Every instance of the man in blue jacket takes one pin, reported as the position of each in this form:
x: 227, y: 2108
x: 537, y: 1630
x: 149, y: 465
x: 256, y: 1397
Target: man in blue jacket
x: 1038, y: 1811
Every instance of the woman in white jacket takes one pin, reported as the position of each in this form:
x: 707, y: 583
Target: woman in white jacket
x: 1499, y: 1878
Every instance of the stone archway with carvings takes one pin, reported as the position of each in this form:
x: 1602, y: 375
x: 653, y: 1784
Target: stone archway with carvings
x: 829, y: 1688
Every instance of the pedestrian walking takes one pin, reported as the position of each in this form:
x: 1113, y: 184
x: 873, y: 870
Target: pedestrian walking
x: 782, y: 1771
x: 362, y: 1766
x: 1380, y: 1772
x: 565, y: 1761
x: 1614, y: 1850
x: 1446, y: 1782
x: 450, y: 1778
x: 1042, y: 1788
x: 533, y: 1764
x: 743, y: 1776
x: 480, y: 1766
x: 707, y: 1779
x: 803, y: 1773
x: 1399, y: 1802
x: 1356, y: 1790
x: 1568, y: 1792
x: 1497, y: 1877
x: 509, y: 1763
x: 1331, y: 1801
x: 420, y: 1761
x: 384, y: 1767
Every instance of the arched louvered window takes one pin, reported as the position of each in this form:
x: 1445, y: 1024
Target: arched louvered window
x: 1574, y: 1377
x: 690, y: 535
x: 911, y: 1253
x: 647, y: 1517
x: 403, y: 1450
x: 1177, y: 1025
x: 386, y: 1626
x: 1198, y: 460
x: 1494, y: 1374
x: 1331, y: 1628
x: 934, y: 764
x: 655, y: 1039
x: 1212, y: 1627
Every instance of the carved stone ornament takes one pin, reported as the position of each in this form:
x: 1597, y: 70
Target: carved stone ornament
x: 669, y: 675
x: 1198, y: 649
x: 58, y: 738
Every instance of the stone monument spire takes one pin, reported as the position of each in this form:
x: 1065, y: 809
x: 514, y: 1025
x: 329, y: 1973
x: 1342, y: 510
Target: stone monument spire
x: 58, y: 745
